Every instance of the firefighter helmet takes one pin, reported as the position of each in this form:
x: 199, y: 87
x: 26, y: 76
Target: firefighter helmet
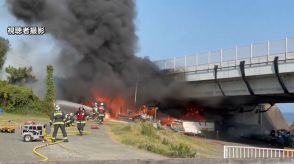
x: 57, y: 107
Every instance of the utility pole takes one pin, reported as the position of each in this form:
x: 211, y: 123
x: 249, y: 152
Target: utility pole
x: 136, y: 91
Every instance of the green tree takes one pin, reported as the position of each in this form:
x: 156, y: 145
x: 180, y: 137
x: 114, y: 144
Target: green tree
x: 50, y: 92
x: 20, y: 75
x: 18, y: 99
x: 4, y: 47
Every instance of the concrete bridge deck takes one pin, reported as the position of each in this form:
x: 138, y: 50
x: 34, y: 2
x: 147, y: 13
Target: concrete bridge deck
x: 257, y: 73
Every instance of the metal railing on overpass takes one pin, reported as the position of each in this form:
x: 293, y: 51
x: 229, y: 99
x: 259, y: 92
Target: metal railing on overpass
x: 242, y: 152
x: 231, y: 57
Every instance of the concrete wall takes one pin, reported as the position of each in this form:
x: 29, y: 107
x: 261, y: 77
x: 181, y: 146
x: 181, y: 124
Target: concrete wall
x: 247, y: 123
x: 275, y: 118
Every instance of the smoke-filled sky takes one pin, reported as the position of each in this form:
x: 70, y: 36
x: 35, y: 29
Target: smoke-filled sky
x: 97, y: 44
x: 186, y: 27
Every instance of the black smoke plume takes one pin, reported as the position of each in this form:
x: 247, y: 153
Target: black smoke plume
x: 99, y: 42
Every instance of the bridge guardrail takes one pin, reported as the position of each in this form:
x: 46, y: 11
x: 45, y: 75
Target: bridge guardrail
x: 242, y: 152
x: 252, y: 54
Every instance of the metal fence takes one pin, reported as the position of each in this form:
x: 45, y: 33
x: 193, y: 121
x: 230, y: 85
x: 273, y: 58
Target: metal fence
x: 252, y: 54
x: 241, y: 152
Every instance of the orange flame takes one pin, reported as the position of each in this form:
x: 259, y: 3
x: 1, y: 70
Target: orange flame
x: 190, y: 113
x: 115, y: 106
x: 167, y: 121
x: 193, y: 113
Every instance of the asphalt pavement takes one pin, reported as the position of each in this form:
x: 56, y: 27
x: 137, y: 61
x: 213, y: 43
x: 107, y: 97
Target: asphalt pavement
x: 12, y: 148
x: 97, y: 146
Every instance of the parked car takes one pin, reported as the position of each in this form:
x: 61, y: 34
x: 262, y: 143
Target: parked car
x: 282, y: 138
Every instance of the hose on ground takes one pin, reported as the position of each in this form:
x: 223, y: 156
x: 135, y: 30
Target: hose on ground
x: 49, y: 140
x: 45, y: 158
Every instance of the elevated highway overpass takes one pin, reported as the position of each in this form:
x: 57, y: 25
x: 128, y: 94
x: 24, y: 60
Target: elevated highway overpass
x: 243, y: 75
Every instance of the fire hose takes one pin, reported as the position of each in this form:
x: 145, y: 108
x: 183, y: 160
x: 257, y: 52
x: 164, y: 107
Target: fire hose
x: 45, y: 158
x: 49, y: 142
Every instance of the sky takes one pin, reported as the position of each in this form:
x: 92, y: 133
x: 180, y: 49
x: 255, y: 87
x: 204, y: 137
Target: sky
x: 168, y: 28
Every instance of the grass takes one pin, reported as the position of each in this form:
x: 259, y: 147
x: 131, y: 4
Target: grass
x: 164, y: 142
x: 20, y: 118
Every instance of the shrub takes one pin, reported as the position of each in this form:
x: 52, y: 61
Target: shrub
x: 18, y: 99
x: 182, y: 151
x: 153, y: 148
x: 165, y: 141
x: 147, y: 129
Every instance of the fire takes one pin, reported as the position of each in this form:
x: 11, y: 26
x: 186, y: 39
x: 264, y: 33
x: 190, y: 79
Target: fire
x: 193, y: 113
x: 115, y: 106
x: 190, y: 113
x: 167, y: 121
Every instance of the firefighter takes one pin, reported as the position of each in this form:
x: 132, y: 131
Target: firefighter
x: 58, y: 121
x: 69, y: 119
x: 81, y: 119
x: 101, y: 112
x: 95, y: 111
x: 72, y: 118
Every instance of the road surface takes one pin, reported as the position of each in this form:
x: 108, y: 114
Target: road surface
x: 97, y: 146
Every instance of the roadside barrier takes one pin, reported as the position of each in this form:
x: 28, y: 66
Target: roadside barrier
x: 242, y: 152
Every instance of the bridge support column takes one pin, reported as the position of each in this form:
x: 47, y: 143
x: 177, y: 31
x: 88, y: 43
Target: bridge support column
x: 242, y: 69
x: 276, y: 66
x: 216, y: 80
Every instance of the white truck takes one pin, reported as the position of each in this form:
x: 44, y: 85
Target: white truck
x: 198, y: 127
x: 193, y: 127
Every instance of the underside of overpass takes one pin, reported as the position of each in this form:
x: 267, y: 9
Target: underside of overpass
x: 238, y: 112
x: 238, y: 104
x: 238, y: 87
x: 233, y: 117
x: 241, y: 85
